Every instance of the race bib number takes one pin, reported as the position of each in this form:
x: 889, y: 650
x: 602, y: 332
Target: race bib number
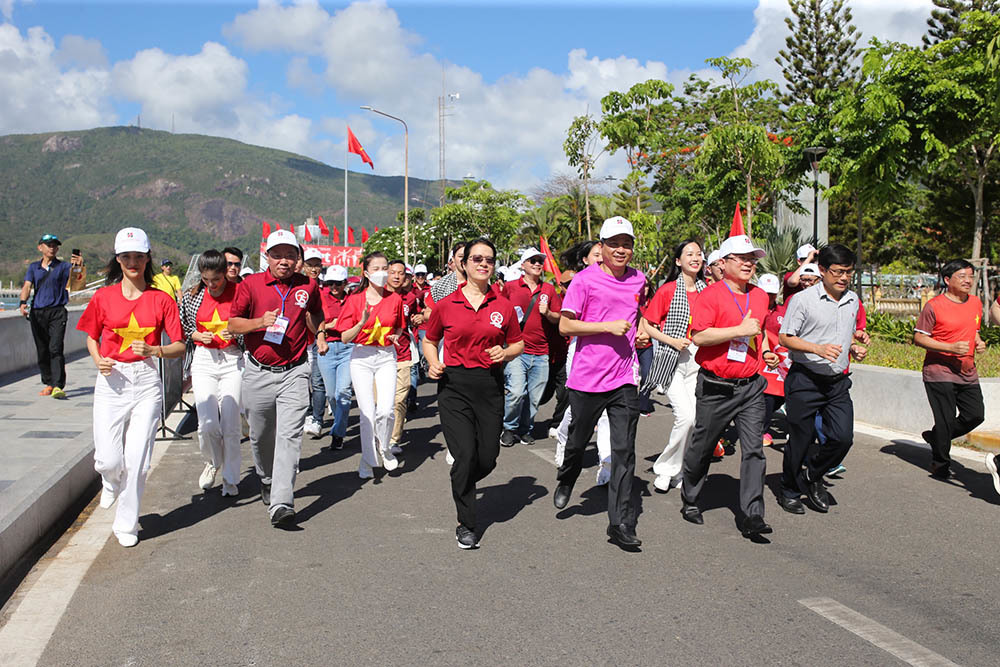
x: 738, y: 349
x: 520, y: 313
x: 276, y: 332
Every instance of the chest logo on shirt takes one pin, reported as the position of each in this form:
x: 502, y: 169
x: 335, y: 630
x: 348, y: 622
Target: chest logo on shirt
x: 301, y: 298
x: 215, y: 325
x: 132, y: 333
x: 496, y: 319
x: 406, y: 310
x: 377, y: 332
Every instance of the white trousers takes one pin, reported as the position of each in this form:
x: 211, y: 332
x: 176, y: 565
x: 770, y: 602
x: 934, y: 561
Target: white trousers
x: 373, y: 374
x: 126, y: 413
x: 680, y: 393
x: 603, y: 425
x: 217, y: 382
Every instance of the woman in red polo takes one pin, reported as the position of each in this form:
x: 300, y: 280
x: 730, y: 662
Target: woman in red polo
x: 124, y: 323
x: 480, y: 333
x: 216, y: 371
x: 372, y: 318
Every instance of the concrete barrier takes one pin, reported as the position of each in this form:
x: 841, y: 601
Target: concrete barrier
x: 19, y: 347
x: 895, y: 399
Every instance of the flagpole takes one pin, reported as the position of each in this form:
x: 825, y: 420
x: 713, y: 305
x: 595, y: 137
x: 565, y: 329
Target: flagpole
x: 347, y: 145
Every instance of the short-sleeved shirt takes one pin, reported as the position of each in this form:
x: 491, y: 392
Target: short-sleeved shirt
x: 294, y: 298
x: 331, y: 311
x: 49, y: 283
x: 411, y: 305
x: 787, y: 290
x: 213, y: 316
x: 421, y: 293
x: 719, y: 307
x: 776, y: 377
x: 658, y: 307
x: 169, y: 284
x: 604, y: 362
x: 947, y: 321
x: 468, y: 333
x: 383, y: 318
x: 816, y: 317
x: 117, y: 322
x: 520, y: 295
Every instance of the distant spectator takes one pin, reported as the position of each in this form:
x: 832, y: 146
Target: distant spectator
x: 792, y: 283
x: 166, y: 281
x: 234, y: 262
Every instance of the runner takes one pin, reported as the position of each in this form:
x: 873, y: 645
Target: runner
x: 774, y: 392
x: 124, y: 323
x: 715, y: 267
x: 335, y: 365
x: 276, y: 310
x: 312, y: 268
x: 404, y: 355
x: 792, y: 282
x: 480, y: 333
x: 601, y: 309
x: 216, y: 371
x: 667, y: 319
x: 234, y: 264
x: 372, y: 319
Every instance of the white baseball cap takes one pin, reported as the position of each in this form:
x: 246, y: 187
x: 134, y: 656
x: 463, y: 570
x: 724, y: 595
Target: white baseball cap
x: 430, y: 276
x: 312, y: 253
x: 281, y: 237
x: 246, y: 271
x: 420, y: 268
x: 528, y: 253
x: 336, y: 272
x: 740, y: 245
x: 713, y: 257
x: 131, y: 239
x: 769, y: 283
x: 615, y: 226
x: 512, y: 274
x: 810, y: 269
x: 804, y: 251
x: 409, y: 269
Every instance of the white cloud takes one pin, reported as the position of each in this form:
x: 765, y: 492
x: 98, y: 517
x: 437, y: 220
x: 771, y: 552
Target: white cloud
x: 80, y: 52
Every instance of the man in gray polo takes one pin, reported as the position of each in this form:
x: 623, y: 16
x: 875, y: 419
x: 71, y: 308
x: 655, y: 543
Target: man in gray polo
x: 275, y: 310
x: 819, y: 330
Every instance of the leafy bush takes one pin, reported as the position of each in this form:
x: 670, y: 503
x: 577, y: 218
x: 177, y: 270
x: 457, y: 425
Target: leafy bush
x: 991, y: 336
x: 889, y: 328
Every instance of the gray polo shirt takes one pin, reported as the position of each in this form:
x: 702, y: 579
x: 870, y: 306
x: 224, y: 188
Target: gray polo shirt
x: 814, y: 316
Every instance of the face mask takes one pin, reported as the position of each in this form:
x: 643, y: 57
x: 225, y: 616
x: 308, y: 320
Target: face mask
x: 378, y: 278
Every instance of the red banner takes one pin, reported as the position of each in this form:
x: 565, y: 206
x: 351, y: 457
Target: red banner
x: 334, y: 254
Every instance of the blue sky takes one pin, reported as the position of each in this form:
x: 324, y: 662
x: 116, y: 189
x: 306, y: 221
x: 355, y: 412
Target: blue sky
x: 291, y: 75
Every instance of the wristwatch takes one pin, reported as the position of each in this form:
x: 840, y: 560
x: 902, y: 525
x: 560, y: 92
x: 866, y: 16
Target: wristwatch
x: 24, y: 302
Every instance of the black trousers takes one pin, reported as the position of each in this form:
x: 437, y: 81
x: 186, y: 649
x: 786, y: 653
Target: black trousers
x: 470, y: 403
x: 48, y: 328
x: 556, y: 386
x: 622, y: 405
x: 771, y: 405
x: 716, y: 406
x: 806, y: 394
x: 945, y: 398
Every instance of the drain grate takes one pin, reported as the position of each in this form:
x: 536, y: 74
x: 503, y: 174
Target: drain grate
x: 42, y: 435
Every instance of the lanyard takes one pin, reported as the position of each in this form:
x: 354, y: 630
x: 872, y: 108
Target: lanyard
x: 284, y: 297
x: 732, y: 294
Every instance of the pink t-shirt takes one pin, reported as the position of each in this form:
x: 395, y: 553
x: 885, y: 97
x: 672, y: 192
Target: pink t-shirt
x: 604, y: 362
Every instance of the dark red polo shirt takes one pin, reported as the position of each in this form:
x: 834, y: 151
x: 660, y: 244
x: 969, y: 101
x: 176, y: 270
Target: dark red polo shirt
x: 519, y: 295
x: 719, y: 307
x: 331, y: 311
x: 421, y: 294
x: 467, y: 332
x: 411, y: 305
x: 261, y: 292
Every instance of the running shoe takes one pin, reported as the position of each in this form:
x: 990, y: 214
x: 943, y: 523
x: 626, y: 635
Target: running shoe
x: 365, y: 471
x: 508, y: 439
x: 108, y: 498
x: 768, y: 440
x: 57, y: 392
x: 560, y: 451
x: 836, y: 470
x: 389, y: 460
x: 466, y: 538
x: 527, y: 439
x: 395, y: 449
x: 448, y: 458
x: 991, y: 465
x: 46, y: 392
x: 313, y: 428
x: 127, y: 540
x: 207, y: 479
x: 230, y: 489
x: 719, y: 452
x: 603, y: 473
x: 553, y: 432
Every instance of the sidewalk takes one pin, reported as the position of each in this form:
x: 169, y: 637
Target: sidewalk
x: 46, y: 458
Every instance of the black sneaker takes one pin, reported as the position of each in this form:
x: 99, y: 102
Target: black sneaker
x: 508, y: 439
x: 283, y: 517
x: 466, y: 538
x: 336, y: 442
x: 527, y: 439
x: 265, y: 493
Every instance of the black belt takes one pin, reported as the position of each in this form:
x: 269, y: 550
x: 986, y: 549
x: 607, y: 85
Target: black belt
x: 828, y: 378
x: 736, y: 382
x: 277, y: 369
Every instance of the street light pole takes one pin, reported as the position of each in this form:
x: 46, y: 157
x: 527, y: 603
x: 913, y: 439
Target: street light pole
x: 406, y: 180
x: 815, y: 152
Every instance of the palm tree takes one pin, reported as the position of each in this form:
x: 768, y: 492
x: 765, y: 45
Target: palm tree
x: 547, y: 220
x: 780, y: 246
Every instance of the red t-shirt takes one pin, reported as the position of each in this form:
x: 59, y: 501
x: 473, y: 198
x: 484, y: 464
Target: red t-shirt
x: 331, y: 311
x: 772, y: 327
x: 411, y: 305
x: 658, y: 307
x: 519, y: 295
x: 294, y: 298
x: 787, y: 290
x: 422, y: 294
x: 213, y: 315
x: 383, y: 318
x: 946, y: 321
x: 117, y: 321
x: 468, y: 333
x: 718, y: 307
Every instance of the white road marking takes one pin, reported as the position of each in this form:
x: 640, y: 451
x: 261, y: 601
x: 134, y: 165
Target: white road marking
x: 31, y: 625
x: 892, y: 642
x: 548, y: 455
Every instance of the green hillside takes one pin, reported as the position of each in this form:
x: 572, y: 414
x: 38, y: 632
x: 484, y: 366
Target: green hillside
x: 187, y: 191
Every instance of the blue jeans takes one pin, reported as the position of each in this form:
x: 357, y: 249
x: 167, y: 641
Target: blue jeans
x: 335, y: 366
x: 317, y: 388
x: 645, y: 363
x: 525, y: 379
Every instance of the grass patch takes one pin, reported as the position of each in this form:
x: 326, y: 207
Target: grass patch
x: 910, y: 357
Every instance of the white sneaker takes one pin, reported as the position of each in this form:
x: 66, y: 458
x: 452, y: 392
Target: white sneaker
x: 108, y: 498
x: 230, y: 489
x: 663, y: 483
x: 312, y: 427
x: 389, y: 461
x: 560, y: 451
x: 991, y: 466
x: 127, y: 540
x: 604, y: 473
x: 660, y: 390
x: 207, y: 479
x: 448, y: 458
x: 365, y: 471
x: 396, y: 450
x: 554, y: 433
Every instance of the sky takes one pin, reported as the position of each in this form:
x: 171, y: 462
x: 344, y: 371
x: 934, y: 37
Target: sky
x: 293, y: 75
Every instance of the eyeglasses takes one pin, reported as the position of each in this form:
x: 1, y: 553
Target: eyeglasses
x: 840, y: 273
x: 535, y: 260
x: 234, y: 263
x: 479, y: 259
x: 742, y: 260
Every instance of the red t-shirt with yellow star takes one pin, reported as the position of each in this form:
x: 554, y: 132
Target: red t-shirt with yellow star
x: 213, y: 315
x: 117, y: 321
x: 383, y: 318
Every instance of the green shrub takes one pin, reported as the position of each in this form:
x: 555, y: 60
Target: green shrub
x: 889, y: 328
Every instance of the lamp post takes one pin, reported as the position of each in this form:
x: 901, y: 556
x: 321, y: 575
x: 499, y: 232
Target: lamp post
x: 406, y: 180
x: 815, y: 153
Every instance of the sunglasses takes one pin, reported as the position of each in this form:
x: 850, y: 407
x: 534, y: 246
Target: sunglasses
x: 536, y: 260
x: 479, y: 259
x: 234, y: 263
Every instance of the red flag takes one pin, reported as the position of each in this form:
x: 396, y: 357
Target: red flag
x: 354, y: 146
x: 550, y: 260
x: 737, y: 228
x: 277, y: 226
x: 336, y: 235
x: 292, y: 228
x: 364, y: 235
x: 308, y: 237
x: 323, y: 229
x: 350, y: 236
x: 265, y: 230
x: 376, y: 228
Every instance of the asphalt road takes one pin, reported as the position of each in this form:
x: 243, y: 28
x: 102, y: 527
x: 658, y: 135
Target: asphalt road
x: 373, y: 575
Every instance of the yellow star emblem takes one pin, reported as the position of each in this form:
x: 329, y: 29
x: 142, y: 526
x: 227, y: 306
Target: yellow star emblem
x: 376, y: 332
x: 132, y: 332
x: 215, y: 325
x: 752, y: 343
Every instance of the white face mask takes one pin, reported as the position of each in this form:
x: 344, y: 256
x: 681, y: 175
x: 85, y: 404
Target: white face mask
x: 378, y: 278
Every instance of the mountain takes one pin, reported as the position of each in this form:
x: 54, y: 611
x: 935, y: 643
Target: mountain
x: 189, y: 192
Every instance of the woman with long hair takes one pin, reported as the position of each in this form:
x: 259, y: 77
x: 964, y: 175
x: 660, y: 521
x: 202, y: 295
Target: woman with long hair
x: 124, y: 323
x: 667, y: 319
x: 216, y: 371
x: 371, y: 319
x: 480, y: 333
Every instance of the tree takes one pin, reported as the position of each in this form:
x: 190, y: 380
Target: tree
x: 946, y: 20
x: 546, y: 220
x: 476, y: 209
x: 581, y: 148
